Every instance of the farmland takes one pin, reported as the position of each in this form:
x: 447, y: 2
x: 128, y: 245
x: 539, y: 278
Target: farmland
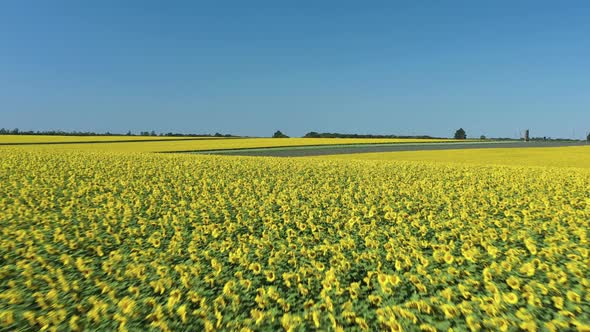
x: 93, y: 239
x: 192, y: 144
x: 570, y: 156
x: 46, y: 139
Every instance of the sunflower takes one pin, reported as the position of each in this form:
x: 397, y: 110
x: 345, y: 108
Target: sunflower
x: 228, y: 288
x: 30, y: 317
x: 319, y: 265
x: 573, y: 296
x: 528, y: 269
x: 510, y: 298
x: 393, y: 279
x: 449, y: 310
x: 286, y: 306
x: 487, y: 275
x: 290, y: 322
x: 362, y: 323
x: 506, y: 266
x: 353, y: 291
x: 448, y: 258
x: 513, y: 282
x: 246, y: 283
x: 315, y: 316
x: 473, y: 323
x: 6, y: 317
x: 529, y: 326
x: 133, y: 290
x: 427, y: 328
x: 181, y: 311
x: 375, y: 300
x: 270, y: 276
x: 257, y: 315
x: 421, y: 288
x: 174, y: 298
x: 447, y: 294
x: 126, y: 305
x: 256, y: 268
x: 302, y: 290
x: 73, y: 323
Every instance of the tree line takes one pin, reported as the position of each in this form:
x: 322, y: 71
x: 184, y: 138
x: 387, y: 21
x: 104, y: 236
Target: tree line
x: 314, y: 134
x: 16, y: 131
x: 459, y: 134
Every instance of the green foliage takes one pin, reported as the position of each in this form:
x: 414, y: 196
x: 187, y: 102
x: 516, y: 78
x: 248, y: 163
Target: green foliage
x: 460, y: 134
x: 313, y: 134
x: 279, y: 134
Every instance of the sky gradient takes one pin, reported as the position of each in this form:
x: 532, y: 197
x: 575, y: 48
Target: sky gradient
x: 253, y: 67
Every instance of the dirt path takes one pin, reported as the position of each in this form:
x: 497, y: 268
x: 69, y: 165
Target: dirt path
x: 306, y: 151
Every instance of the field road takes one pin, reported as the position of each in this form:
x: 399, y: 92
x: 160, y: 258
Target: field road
x: 307, y: 151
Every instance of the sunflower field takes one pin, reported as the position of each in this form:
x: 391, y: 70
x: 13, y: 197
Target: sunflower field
x: 171, y: 242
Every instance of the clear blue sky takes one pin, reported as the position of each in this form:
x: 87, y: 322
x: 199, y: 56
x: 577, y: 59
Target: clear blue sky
x: 252, y: 67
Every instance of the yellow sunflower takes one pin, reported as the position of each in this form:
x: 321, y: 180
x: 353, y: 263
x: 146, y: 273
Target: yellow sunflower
x: 510, y: 298
x: 256, y: 268
x: 513, y: 282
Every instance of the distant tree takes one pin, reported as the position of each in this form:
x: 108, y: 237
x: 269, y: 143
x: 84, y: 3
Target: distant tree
x: 482, y: 137
x: 3, y: 131
x: 14, y: 131
x: 460, y: 134
x: 129, y: 133
x: 153, y: 133
x: 312, y: 134
x: 218, y: 135
x: 279, y: 134
x: 588, y: 137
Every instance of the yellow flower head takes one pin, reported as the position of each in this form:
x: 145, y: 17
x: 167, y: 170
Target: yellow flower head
x: 573, y: 296
x: 447, y: 293
x: 393, y: 279
x: 449, y: 310
x: 270, y: 276
x: 510, y: 298
x: 353, y: 293
x: 181, y: 311
x: 427, y: 328
x: 513, y: 282
x: 6, y: 318
x: 290, y: 322
x: 126, y: 305
x: 362, y: 324
x: 449, y: 259
x: 256, y: 268
x: 528, y: 269
x: 73, y: 324
x: 487, y: 275
x: 375, y: 300
x: 133, y: 290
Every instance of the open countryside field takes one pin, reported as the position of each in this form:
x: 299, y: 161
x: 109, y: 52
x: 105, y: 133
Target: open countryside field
x: 189, y: 145
x: 99, y: 240
x: 571, y: 156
